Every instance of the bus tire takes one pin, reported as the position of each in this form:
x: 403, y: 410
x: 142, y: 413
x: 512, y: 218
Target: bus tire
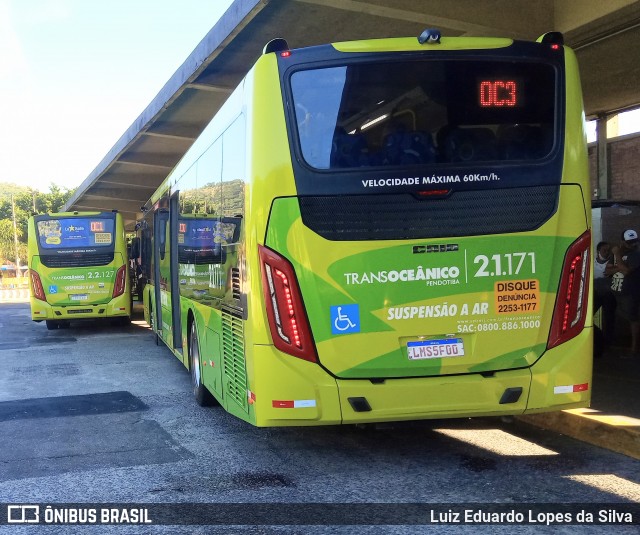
x: 200, y: 392
x: 52, y: 325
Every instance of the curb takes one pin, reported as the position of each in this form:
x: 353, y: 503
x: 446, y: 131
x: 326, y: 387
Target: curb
x: 613, y: 432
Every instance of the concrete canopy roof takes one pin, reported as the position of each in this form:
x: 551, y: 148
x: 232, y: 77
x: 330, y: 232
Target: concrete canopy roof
x: 605, y: 35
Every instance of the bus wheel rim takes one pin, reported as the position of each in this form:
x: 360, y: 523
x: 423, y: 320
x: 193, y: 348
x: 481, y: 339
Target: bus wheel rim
x: 195, y: 358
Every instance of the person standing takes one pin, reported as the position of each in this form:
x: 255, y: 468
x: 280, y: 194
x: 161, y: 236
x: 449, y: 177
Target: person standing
x: 625, y: 284
x: 603, y: 297
x: 603, y: 261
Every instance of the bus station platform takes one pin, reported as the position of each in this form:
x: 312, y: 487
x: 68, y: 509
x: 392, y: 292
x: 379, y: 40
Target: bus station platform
x: 613, y: 420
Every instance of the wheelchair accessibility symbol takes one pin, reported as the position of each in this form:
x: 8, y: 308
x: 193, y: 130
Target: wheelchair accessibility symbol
x: 345, y: 319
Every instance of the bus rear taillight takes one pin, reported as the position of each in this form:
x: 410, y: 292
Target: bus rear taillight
x: 285, y: 309
x: 36, y: 285
x: 570, y: 311
x: 118, y: 287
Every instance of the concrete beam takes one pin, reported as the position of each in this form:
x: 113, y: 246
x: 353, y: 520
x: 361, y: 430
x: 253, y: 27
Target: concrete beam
x: 120, y: 181
x: 498, y: 18
x: 211, y: 88
x: 428, y: 19
x: 127, y: 214
x: 152, y: 161
x: 124, y: 174
x: 602, y: 158
x: 100, y: 203
x: 132, y: 194
x: 168, y: 129
x: 107, y: 204
x: 585, y: 21
x: 152, y: 133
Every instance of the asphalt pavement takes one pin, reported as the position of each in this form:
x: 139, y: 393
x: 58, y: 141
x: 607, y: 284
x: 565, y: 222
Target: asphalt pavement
x: 613, y: 420
x: 98, y: 414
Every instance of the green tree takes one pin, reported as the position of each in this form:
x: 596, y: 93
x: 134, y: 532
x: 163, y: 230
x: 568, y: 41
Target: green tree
x: 7, y: 189
x: 26, y: 202
x: 54, y: 200
x: 7, y: 243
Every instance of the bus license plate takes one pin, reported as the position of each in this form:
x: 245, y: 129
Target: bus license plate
x: 79, y: 297
x: 435, y: 349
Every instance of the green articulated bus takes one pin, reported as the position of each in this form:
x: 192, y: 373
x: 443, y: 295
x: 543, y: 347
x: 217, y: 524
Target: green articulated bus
x: 382, y: 230
x: 78, y: 268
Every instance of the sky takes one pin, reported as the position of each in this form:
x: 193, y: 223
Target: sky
x: 75, y: 74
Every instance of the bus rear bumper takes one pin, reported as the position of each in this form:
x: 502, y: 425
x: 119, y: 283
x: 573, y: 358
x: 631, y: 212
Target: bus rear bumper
x: 290, y: 391
x: 118, y: 307
x: 435, y: 397
x: 296, y: 392
x: 560, y: 379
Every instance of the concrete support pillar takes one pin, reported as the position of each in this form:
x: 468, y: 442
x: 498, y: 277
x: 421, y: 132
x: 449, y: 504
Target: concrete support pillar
x: 604, y: 189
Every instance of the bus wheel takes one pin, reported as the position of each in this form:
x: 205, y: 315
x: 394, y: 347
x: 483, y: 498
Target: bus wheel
x: 52, y: 325
x: 202, y: 395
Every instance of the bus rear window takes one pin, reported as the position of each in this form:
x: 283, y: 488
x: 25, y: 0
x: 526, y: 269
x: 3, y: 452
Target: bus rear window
x: 424, y: 112
x: 75, y: 233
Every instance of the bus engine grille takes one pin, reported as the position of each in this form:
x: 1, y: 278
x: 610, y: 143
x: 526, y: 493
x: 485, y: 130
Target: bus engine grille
x: 402, y: 216
x: 235, y: 380
x: 77, y: 260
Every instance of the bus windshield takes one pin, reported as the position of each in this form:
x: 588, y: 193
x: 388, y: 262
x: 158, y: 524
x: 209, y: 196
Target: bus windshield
x: 413, y: 112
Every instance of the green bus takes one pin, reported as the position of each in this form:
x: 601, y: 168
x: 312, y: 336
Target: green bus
x: 78, y: 268
x: 382, y: 230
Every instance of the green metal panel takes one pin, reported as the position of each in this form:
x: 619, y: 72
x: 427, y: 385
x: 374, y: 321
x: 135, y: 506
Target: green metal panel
x: 235, y: 374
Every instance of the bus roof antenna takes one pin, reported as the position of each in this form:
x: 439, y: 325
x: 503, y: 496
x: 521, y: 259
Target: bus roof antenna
x: 276, y: 45
x: 555, y: 38
x: 431, y: 36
